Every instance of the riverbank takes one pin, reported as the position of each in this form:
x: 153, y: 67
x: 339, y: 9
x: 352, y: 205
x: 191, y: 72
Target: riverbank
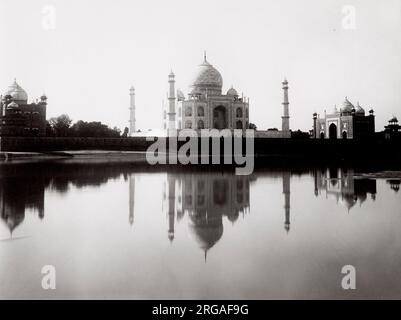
x: 131, y: 156
x: 266, y: 151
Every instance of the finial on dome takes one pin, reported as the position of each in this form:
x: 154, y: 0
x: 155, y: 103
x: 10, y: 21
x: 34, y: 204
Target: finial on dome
x: 204, y: 56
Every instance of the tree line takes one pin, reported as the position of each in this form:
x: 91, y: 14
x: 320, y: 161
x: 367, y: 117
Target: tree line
x: 62, y: 126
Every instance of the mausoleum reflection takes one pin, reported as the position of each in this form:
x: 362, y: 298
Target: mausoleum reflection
x: 19, y: 194
x: 394, y: 184
x: 23, y: 185
x: 206, y: 198
x: 343, y: 186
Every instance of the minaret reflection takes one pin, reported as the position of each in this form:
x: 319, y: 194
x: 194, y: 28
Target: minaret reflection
x: 205, y: 198
x: 287, y: 196
x: 342, y: 185
x: 171, y: 207
x: 131, y: 190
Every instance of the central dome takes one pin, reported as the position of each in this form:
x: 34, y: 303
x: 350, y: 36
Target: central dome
x: 16, y: 92
x: 208, y: 78
x: 347, y: 106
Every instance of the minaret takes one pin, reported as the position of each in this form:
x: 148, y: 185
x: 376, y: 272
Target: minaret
x: 315, y: 135
x: 171, y: 104
x: 132, y: 111
x: 131, y: 190
x: 286, y: 192
x: 164, y: 113
x: 286, y: 115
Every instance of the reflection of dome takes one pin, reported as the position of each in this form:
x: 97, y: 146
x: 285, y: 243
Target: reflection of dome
x: 16, y: 92
x: 207, y: 77
x: 232, y: 92
x: 347, y: 106
x: 14, y: 220
x: 233, y: 217
x: 206, y: 236
x: 362, y: 198
x: 348, y: 201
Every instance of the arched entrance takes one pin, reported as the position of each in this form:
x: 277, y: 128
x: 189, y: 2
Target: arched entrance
x: 220, y: 118
x: 345, y: 135
x: 333, y: 131
x: 321, y: 135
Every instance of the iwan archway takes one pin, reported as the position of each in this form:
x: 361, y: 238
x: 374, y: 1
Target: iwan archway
x: 333, y: 131
x: 220, y: 118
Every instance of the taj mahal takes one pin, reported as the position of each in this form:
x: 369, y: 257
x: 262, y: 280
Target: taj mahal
x: 207, y: 106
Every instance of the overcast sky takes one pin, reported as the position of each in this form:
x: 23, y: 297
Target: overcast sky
x: 87, y: 59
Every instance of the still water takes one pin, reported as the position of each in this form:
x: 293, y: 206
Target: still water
x: 114, y: 230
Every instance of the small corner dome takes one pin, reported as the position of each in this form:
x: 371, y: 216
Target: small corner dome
x: 16, y: 92
x: 12, y: 105
x: 232, y: 92
x: 359, y: 109
x: 347, y: 106
x: 180, y: 95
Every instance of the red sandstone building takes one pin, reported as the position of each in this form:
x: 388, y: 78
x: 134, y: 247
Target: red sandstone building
x: 20, y: 118
x: 349, y: 122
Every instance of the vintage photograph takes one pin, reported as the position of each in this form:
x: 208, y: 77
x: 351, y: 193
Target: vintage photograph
x: 200, y: 150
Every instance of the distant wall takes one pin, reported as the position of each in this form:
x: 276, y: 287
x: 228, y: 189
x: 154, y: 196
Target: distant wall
x: 303, y: 150
x: 272, y: 134
x: 37, y: 144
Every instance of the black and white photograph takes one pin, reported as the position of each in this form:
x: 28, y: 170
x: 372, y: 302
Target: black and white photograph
x: 200, y: 150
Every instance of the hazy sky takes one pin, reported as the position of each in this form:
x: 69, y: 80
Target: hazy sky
x: 97, y: 49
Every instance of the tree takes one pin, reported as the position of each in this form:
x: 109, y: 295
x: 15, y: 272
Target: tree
x: 252, y: 126
x: 94, y: 129
x: 125, y: 133
x: 60, y: 126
